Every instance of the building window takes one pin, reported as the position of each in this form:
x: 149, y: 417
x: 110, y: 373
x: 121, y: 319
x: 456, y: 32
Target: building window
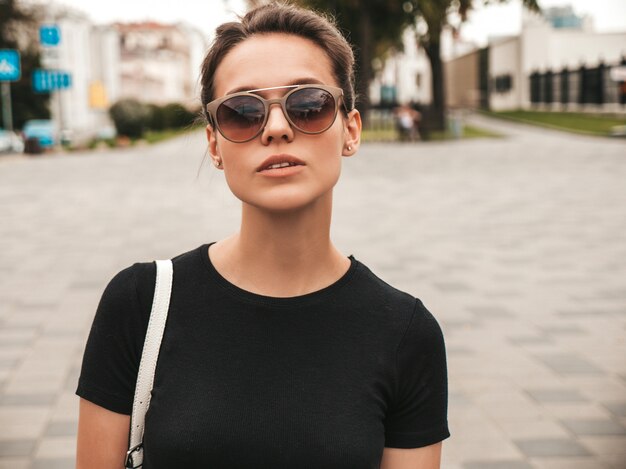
x: 503, y: 83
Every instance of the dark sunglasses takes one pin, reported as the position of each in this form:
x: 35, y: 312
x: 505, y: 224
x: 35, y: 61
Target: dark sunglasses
x: 240, y: 117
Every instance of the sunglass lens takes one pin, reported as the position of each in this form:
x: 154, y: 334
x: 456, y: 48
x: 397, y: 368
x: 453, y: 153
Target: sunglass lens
x: 240, y: 117
x: 311, y: 109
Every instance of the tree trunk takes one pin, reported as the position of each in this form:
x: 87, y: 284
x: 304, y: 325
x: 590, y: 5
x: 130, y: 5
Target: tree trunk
x: 437, y: 112
x: 364, y: 61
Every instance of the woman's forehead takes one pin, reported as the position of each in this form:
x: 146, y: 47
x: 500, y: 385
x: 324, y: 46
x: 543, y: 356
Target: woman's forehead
x: 271, y: 60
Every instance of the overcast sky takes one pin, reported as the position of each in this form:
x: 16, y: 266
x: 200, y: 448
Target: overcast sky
x: 497, y: 20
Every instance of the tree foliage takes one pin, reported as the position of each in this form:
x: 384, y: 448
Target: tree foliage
x: 19, y: 30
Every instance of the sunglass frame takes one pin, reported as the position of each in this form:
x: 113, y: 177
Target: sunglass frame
x: 212, y: 107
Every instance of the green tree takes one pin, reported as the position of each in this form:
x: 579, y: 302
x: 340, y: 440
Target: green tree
x: 19, y: 30
x: 435, y: 14
x: 376, y: 27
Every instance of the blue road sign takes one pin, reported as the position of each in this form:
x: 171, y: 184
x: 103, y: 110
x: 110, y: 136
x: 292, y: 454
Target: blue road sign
x: 9, y: 65
x: 49, y: 35
x: 51, y: 80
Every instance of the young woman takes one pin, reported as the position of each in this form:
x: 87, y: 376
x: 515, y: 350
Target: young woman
x: 279, y: 351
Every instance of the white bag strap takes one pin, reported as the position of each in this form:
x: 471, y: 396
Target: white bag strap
x: 149, y: 356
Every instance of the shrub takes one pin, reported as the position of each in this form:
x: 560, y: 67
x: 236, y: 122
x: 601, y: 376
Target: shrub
x: 130, y: 117
x: 157, y: 117
x: 176, y: 116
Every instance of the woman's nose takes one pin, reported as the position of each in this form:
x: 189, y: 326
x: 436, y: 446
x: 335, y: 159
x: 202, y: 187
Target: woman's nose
x: 277, y: 126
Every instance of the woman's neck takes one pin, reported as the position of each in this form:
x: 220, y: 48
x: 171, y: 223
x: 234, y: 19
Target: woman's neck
x: 281, y: 254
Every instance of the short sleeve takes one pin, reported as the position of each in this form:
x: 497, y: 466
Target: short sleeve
x: 418, y: 414
x: 113, y: 351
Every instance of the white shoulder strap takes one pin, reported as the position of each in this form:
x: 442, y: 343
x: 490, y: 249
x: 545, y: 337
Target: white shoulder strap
x: 149, y: 356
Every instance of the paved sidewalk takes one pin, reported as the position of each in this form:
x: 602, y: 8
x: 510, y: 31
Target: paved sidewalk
x: 517, y: 245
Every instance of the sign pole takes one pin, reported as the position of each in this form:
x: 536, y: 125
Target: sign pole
x: 7, y: 115
x: 60, y: 102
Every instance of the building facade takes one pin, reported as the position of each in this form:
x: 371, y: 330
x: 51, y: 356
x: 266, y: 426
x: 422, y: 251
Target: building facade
x: 557, y: 62
x: 159, y: 63
x: 150, y: 62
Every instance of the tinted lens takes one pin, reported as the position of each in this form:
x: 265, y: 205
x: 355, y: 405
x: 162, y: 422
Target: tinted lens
x: 311, y: 109
x: 240, y: 117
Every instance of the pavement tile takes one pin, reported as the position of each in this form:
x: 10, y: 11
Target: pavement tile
x: 510, y: 464
x: 61, y: 428
x: 562, y: 330
x: 604, y: 445
x: 54, y: 463
x: 586, y: 313
x: 27, y: 399
x: 556, y: 395
x: 491, y: 312
x: 551, y: 447
x: 452, y: 287
x: 14, y: 463
x: 530, y: 340
x: 56, y: 447
x: 10, y: 448
x: 568, y: 363
x: 573, y: 410
x: 532, y: 428
x: 618, y: 409
x: 594, y: 427
x: 568, y: 463
x: 612, y: 461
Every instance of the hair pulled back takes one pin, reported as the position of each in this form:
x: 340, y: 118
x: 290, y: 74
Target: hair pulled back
x: 287, y: 19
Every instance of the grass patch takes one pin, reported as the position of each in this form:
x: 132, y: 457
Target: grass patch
x: 155, y: 136
x: 578, y: 122
x: 391, y: 135
x: 477, y: 132
x: 468, y: 132
x: 379, y: 135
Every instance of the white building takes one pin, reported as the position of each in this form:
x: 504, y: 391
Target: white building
x: 405, y: 76
x: 499, y: 76
x: 81, y: 55
x: 159, y: 63
x: 110, y: 62
x: 542, y: 47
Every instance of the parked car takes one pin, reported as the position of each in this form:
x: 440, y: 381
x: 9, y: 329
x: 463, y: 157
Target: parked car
x: 10, y: 142
x: 43, y: 130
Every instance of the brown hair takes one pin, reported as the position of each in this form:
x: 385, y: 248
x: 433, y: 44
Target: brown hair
x: 287, y: 19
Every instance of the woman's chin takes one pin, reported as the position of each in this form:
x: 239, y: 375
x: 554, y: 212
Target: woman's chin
x: 285, y: 203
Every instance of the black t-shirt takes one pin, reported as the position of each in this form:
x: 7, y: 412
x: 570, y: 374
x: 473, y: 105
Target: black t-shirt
x: 322, y: 380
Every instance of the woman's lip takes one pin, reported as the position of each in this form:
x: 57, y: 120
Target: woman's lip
x: 282, y: 172
x: 276, y: 159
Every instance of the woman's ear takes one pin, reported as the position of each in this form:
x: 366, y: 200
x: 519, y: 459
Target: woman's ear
x: 211, y: 136
x: 352, y: 128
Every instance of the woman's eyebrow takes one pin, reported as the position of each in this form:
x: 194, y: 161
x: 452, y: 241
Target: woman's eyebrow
x: 298, y: 81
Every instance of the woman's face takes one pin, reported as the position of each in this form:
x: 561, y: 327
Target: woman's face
x: 274, y: 60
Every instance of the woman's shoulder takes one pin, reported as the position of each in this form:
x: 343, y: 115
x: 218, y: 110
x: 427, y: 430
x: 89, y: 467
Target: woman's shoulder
x: 136, y: 282
x: 403, y: 311
x: 378, y: 290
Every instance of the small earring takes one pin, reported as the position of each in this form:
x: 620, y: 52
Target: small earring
x: 349, y: 147
x: 218, y: 163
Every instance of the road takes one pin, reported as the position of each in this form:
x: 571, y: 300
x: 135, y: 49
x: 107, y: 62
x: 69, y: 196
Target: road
x: 517, y: 245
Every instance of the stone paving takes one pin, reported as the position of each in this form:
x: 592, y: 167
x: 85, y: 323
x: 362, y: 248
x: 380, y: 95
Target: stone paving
x: 517, y: 245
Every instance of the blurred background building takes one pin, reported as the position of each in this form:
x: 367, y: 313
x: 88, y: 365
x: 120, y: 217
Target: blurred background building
x: 557, y: 62
x: 150, y: 62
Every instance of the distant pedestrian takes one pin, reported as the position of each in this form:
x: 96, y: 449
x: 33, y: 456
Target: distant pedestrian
x: 407, y: 120
x: 279, y: 351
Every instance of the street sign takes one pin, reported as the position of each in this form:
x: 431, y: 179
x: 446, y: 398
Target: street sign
x: 50, y: 57
x: 49, y: 35
x: 9, y: 65
x: 51, y: 80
